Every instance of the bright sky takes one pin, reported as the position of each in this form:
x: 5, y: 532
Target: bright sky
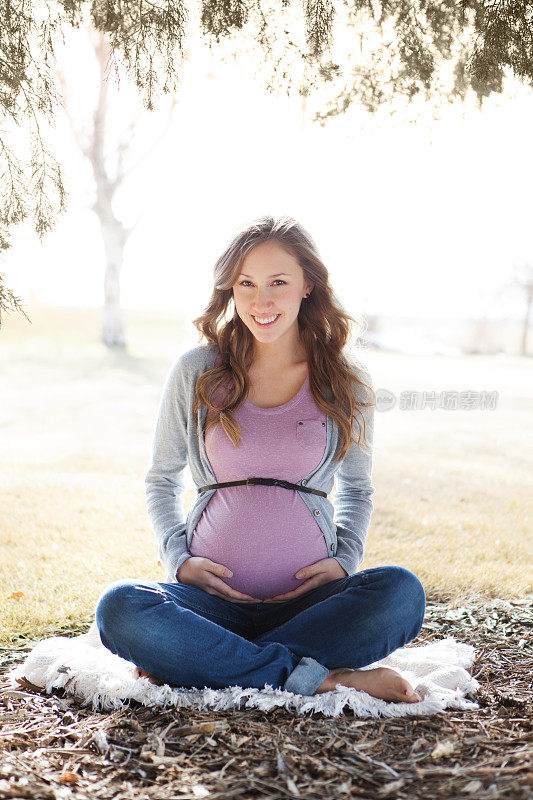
x: 410, y: 221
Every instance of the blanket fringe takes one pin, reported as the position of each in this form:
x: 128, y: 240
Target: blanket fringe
x: 84, y: 668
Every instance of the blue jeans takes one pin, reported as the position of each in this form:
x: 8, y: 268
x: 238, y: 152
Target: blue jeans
x: 192, y: 639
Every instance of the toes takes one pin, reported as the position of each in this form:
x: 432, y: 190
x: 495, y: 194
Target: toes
x: 405, y: 691
x: 141, y: 673
x: 410, y: 696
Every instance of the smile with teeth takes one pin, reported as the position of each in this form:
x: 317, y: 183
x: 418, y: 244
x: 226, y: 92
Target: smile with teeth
x: 266, y: 320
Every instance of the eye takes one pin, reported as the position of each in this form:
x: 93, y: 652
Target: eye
x: 278, y: 280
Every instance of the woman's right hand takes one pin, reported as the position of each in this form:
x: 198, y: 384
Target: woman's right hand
x: 207, y: 575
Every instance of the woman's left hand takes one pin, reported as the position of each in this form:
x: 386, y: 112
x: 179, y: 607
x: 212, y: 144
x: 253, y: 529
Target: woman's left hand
x: 323, y: 571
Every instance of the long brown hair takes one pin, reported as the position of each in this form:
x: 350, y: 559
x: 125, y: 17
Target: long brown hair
x: 324, y: 326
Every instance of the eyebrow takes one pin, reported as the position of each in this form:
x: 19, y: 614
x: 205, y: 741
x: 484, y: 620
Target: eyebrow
x: 244, y: 275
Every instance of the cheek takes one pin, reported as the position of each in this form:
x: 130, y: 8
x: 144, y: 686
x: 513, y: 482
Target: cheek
x: 238, y: 298
x: 242, y: 306
x: 292, y: 299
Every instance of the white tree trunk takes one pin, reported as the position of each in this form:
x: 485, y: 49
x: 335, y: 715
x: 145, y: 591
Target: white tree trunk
x: 113, y: 231
x: 112, y: 321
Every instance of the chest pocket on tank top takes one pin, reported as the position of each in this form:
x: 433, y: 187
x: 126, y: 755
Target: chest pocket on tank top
x: 311, y: 433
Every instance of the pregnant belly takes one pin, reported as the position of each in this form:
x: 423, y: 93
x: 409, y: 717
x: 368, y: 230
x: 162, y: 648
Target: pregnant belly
x: 263, y: 561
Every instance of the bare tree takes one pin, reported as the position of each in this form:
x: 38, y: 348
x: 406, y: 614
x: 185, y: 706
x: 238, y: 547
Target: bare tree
x: 92, y: 144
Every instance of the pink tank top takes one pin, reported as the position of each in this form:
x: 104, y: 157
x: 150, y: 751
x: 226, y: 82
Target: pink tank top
x: 264, y: 534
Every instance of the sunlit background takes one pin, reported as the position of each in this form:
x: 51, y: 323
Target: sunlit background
x: 423, y: 226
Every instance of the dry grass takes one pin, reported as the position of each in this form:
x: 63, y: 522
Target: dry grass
x: 451, y: 499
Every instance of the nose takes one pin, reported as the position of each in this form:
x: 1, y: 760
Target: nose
x: 261, y: 302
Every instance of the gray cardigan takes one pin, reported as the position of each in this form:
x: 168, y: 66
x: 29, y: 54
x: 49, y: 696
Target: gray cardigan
x: 344, y: 520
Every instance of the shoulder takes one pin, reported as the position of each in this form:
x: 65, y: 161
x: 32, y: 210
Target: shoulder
x: 199, y: 357
x: 364, y: 387
x: 193, y: 362
x: 365, y: 378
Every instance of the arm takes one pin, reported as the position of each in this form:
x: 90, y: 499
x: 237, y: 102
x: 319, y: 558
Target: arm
x: 352, y: 496
x: 164, y: 481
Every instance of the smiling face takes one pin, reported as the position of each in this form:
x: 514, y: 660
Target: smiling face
x: 271, y: 285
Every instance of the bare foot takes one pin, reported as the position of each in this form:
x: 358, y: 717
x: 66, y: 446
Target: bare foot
x: 380, y: 682
x: 141, y: 673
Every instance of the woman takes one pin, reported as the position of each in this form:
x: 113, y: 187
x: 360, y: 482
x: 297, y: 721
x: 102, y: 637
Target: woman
x: 262, y: 585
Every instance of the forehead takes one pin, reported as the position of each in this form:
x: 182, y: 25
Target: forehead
x: 269, y: 259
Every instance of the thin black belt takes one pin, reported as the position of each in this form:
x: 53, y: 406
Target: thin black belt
x: 264, y: 482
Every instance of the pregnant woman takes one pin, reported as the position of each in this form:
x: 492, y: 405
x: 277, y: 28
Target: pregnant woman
x: 263, y: 586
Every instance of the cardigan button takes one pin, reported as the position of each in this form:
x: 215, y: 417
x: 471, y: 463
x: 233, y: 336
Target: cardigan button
x: 304, y: 482
x: 316, y: 512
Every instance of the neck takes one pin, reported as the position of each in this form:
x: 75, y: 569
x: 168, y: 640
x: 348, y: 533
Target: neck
x: 279, y: 355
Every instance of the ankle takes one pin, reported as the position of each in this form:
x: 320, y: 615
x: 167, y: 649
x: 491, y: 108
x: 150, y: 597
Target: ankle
x: 332, y: 679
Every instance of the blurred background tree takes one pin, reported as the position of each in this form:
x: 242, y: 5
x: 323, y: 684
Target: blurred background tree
x: 110, y: 174
x: 392, y: 49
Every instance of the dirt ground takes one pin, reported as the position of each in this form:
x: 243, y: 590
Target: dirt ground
x: 53, y: 747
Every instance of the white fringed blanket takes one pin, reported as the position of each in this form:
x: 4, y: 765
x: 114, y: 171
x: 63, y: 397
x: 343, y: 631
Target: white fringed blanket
x: 83, y: 667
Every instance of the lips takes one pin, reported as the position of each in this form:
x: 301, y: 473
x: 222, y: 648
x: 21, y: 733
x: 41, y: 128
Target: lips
x: 266, y: 324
